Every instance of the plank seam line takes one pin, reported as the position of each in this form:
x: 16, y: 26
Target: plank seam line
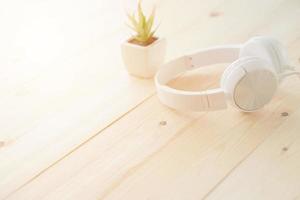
x: 147, y: 159
x: 238, y: 165
x: 79, y: 146
x: 234, y: 168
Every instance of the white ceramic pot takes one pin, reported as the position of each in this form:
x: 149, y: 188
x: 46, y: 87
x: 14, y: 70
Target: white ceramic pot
x: 143, y: 61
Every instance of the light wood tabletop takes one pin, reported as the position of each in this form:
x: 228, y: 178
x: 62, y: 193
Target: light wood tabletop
x: 74, y: 125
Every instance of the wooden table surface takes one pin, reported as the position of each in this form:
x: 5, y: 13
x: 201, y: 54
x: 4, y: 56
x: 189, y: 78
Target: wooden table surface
x: 75, y: 125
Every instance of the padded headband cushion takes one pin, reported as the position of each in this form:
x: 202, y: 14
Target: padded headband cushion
x: 267, y: 48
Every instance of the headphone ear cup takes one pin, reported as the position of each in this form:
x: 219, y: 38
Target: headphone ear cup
x: 249, y: 83
x: 231, y: 68
x: 266, y: 48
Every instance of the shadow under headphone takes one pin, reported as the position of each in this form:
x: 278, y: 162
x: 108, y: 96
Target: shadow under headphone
x: 249, y: 83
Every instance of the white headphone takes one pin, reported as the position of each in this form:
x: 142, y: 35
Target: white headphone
x: 248, y: 83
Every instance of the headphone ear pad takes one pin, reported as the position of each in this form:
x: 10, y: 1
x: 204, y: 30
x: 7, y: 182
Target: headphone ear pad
x: 231, y: 68
x: 266, y: 48
x: 249, y: 83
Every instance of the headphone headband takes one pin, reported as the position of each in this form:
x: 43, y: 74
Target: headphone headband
x: 248, y: 83
x: 194, y: 101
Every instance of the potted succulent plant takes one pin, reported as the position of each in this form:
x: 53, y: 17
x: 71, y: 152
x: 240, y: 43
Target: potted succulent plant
x: 143, y: 53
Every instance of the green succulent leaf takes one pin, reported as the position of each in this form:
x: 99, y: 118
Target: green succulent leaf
x: 142, y: 18
x: 141, y: 25
x: 132, y: 21
x: 150, y: 21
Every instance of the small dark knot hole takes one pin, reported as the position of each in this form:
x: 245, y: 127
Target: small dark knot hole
x: 284, y: 114
x: 2, y: 144
x: 162, y: 123
x: 285, y: 149
x: 215, y: 14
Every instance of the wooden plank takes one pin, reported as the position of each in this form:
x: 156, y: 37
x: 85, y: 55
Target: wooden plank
x: 194, y: 163
x: 185, y: 159
x: 46, y: 55
x: 49, y: 91
x: 115, y: 150
x: 62, y: 129
x: 272, y: 171
x: 61, y: 95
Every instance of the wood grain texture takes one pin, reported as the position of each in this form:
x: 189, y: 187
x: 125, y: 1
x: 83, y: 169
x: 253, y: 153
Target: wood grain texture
x: 50, y: 107
x: 272, y: 171
x: 74, y: 125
